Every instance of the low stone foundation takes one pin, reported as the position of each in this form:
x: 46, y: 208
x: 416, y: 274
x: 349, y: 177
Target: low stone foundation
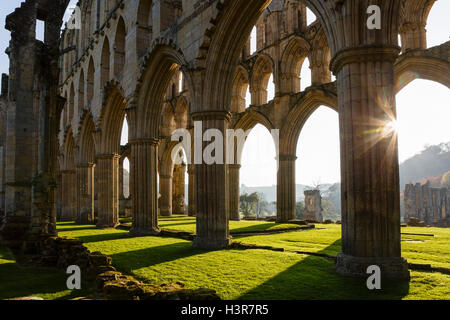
x: 110, y: 283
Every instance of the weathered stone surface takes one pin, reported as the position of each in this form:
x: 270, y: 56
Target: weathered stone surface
x: 313, y: 206
x: 426, y: 204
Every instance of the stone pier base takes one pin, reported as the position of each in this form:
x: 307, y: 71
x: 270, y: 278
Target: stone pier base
x: 211, y: 244
x: 391, y: 268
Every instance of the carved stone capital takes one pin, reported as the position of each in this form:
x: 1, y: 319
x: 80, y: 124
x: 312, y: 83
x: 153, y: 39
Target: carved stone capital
x: 363, y: 54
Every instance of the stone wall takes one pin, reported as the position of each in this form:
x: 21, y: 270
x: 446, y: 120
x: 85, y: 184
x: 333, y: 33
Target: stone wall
x: 431, y: 205
x: 313, y: 205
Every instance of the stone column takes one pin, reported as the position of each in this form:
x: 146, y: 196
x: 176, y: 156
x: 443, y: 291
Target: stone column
x: 108, y: 190
x: 144, y: 174
x: 211, y: 184
x: 165, y: 202
x: 413, y: 36
x: 121, y: 194
x: 286, y: 188
x: 69, y: 202
x: 369, y: 162
x: 233, y: 174
x: 85, y: 192
x: 191, y: 195
x: 320, y: 73
x: 178, y: 189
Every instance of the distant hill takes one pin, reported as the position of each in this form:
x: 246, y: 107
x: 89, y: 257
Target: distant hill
x: 430, y: 164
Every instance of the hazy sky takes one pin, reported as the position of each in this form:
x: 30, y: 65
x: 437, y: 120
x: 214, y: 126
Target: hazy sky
x: 423, y: 118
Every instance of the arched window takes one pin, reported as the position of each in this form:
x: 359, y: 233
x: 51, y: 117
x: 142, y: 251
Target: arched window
x: 253, y: 41
x: 305, y: 75
x: 105, y: 65
x: 119, y: 47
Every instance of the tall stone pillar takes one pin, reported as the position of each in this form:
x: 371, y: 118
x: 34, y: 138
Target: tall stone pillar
x: 369, y: 162
x: 286, y: 188
x: 165, y: 202
x: 144, y: 174
x: 85, y: 192
x: 191, y: 194
x: 211, y: 184
x: 233, y: 174
x: 178, y: 189
x: 108, y: 190
x: 69, y: 197
x: 121, y: 194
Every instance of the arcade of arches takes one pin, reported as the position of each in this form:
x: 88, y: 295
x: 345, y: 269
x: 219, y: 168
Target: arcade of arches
x: 166, y: 64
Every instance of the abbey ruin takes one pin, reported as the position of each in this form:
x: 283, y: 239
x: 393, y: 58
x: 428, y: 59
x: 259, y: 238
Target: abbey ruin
x: 165, y: 64
x: 428, y: 204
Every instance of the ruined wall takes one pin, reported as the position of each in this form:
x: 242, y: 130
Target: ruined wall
x: 33, y: 112
x: 313, y: 205
x: 431, y: 205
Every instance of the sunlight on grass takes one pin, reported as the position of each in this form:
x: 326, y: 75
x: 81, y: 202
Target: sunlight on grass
x: 263, y: 274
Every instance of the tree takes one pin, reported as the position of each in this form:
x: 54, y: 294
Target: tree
x: 249, y: 203
x: 445, y: 182
x: 329, y: 210
x: 299, y: 210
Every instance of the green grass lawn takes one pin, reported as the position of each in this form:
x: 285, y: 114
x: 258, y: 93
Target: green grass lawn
x: 263, y: 274
x: 187, y: 224
x: 17, y: 281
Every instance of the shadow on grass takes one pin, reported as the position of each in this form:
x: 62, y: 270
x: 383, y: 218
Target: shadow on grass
x: 79, y: 228
x: 165, y: 224
x: 314, y: 278
x: 17, y: 281
x: 132, y: 260
x: 104, y: 237
x: 259, y: 227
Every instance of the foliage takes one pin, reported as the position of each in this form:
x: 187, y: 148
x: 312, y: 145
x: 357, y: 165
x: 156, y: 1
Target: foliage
x: 249, y: 203
x: 329, y: 211
x: 300, y: 210
x: 445, y: 182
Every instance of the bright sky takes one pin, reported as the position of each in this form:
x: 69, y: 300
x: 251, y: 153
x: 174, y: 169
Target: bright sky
x: 318, y: 148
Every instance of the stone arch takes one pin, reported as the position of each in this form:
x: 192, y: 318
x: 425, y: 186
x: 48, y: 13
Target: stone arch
x: 86, y: 141
x: 144, y: 23
x: 71, y: 106
x: 294, y: 54
x: 166, y: 177
x: 90, y: 78
x: 81, y: 88
x: 111, y: 120
x: 67, y: 159
x: 262, y: 70
x: 105, y: 63
x: 168, y: 124
x: 235, y: 23
x: 162, y: 64
x: 64, y: 111
x: 68, y: 178
x: 247, y: 122
x: 409, y: 68
x: 239, y: 91
x: 119, y: 47
x: 297, y: 117
x: 181, y: 113
x: 414, y: 16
